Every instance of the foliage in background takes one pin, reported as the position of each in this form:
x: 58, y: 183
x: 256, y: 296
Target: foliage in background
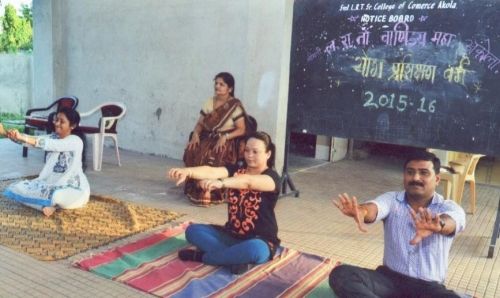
x: 17, y: 30
x: 10, y: 116
x: 6, y: 117
x: 27, y: 13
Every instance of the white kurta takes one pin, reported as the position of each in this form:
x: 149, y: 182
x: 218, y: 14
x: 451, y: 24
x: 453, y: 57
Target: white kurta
x: 61, y: 183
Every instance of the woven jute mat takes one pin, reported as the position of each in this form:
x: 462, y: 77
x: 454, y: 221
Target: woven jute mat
x: 68, y: 232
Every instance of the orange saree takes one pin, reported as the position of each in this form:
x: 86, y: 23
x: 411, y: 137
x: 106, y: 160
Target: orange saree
x: 205, y: 153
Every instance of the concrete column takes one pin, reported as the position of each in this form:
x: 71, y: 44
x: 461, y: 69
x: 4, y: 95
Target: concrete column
x: 49, y: 63
x: 267, y: 67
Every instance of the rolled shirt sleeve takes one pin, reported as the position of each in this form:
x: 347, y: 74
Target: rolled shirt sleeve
x: 383, y: 203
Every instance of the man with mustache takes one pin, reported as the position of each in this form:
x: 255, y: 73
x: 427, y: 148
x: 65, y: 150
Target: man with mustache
x: 419, y: 227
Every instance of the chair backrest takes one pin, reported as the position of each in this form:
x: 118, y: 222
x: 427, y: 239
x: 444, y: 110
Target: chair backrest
x: 472, y: 166
x: 67, y: 101
x: 63, y: 102
x: 112, y: 109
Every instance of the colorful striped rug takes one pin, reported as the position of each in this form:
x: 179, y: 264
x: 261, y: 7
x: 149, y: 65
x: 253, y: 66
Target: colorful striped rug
x: 152, y: 265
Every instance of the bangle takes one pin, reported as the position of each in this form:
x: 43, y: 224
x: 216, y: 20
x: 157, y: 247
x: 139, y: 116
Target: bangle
x: 222, y: 181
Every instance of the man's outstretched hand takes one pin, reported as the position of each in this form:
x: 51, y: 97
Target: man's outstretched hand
x: 351, y: 208
x: 426, y: 224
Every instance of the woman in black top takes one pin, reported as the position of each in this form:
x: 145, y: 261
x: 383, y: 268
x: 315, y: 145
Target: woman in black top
x: 250, y: 235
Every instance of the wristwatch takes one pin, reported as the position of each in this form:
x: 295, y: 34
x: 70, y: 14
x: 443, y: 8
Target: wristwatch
x: 442, y: 223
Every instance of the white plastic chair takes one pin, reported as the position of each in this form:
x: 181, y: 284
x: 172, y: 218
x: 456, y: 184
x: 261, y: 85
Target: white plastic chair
x: 454, y: 183
x: 111, y: 112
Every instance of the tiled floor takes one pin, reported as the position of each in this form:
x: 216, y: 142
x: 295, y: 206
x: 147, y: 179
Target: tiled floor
x: 309, y: 223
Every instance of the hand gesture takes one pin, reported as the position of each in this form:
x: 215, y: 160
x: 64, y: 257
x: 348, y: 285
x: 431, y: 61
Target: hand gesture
x: 179, y: 174
x: 14, y: 135
x: 426, y: 224
x: 351, y: 208
x: 221, y: 144
x: 2, y: 130
x: 210, y: 184
x: 195, y: 141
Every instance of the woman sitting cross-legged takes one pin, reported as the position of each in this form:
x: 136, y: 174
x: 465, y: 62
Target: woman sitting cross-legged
x: 250, y: 235
x: 62, y: 183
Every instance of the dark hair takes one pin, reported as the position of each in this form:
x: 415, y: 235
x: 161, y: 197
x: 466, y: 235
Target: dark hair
x: 74, y: 120
x: 50, y: 123
x: 264, y: 137
x: 228, y: 79
x: 424, y: 155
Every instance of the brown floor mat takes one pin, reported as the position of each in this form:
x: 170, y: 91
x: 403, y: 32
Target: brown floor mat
x: 68, y: 232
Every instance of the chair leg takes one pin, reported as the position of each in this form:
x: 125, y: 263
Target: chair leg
x: 446, y: 189
x: 459, y: 190
x: 472, y: 196
x: 101, y: 149
x: 98, y: 145
x: 25, y: 149
x: 115, y: 139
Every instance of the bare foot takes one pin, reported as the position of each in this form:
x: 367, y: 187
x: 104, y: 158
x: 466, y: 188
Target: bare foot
x: 2, y: 130
x: 48, y: 211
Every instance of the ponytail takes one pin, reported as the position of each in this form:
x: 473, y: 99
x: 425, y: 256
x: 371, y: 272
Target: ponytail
x: 74, y: 119
x: 77, y: 131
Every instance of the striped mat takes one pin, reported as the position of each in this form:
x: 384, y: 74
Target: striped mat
x: 151, y: 265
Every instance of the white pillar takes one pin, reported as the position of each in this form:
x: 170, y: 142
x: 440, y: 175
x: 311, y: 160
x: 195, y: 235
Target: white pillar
x: 49, y: 63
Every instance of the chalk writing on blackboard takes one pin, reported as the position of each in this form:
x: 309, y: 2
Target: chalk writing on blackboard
x: 377, y: 69
x: 400, y: 102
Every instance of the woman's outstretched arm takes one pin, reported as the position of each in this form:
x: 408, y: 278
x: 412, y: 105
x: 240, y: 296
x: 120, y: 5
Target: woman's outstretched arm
x: 3, y: 132
x: 242, y: 181
x: 203, y: 172
x: 18, y: 137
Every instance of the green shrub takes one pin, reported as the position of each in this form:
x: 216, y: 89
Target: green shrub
x: 6, y: 117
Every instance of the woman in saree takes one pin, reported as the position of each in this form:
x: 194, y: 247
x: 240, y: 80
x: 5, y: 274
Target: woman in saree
x: 217, y: 137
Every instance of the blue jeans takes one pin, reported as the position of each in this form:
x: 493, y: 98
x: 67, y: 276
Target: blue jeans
x: 221, y: 249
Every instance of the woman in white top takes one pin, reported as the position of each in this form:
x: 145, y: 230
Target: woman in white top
x: 62, y: 183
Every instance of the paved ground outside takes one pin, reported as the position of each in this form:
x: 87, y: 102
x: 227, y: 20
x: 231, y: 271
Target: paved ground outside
x: 309, y: 223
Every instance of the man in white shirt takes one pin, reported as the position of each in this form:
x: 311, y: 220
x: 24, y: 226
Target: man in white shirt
x: 419, y: 227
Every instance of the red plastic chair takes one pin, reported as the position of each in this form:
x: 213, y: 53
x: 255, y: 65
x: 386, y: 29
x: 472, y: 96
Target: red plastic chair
x: 40, y: 119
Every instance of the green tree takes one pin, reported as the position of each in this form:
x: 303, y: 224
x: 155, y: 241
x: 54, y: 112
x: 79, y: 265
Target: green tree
x: 27, y: 13
x: 17, y: 31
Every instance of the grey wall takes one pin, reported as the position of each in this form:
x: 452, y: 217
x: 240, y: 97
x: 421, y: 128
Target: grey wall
x: 159, y: 57
x: 15, y: 83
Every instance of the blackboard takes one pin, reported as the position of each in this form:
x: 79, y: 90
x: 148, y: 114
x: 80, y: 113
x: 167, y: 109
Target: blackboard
x: 420, y: 73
